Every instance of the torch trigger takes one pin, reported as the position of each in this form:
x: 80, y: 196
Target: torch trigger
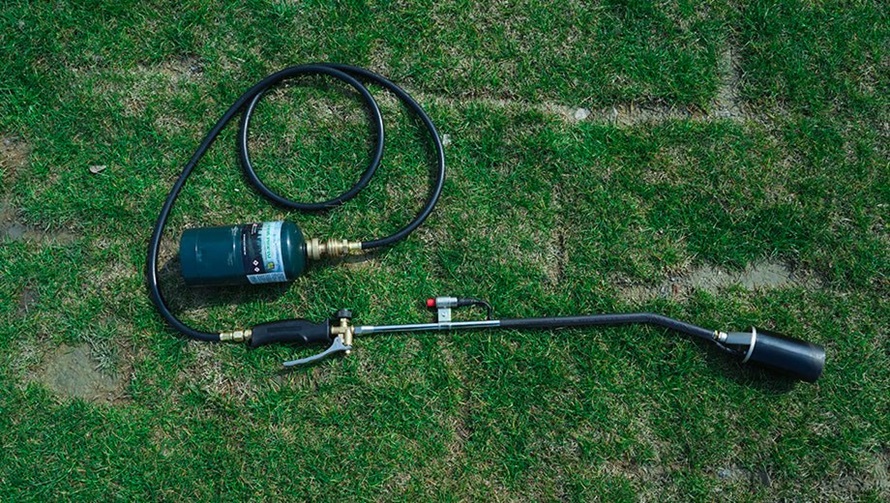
x: 336, y: 347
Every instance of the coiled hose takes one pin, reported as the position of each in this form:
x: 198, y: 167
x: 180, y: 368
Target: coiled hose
x: 245, y: 104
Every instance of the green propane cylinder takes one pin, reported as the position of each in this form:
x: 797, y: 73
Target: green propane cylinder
x: 267, y: 252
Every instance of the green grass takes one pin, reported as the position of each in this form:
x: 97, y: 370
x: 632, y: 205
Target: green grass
x: 817, y: 57
x: 540, y: 215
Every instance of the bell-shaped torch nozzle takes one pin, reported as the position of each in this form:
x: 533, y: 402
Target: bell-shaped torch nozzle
x: 799, y: 359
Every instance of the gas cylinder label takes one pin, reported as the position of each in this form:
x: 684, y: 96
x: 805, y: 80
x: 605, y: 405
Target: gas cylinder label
x: 261, y: 252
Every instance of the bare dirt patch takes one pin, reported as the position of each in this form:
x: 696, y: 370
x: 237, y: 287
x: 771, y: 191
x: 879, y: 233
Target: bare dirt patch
x: 10, y: 227
x: 212, y: 375
x: 149, y: 82
x: 880, y: 473
x: 113, y: 278
x: 174, y: 70
x: 765, y: 275
x: 29, y: 297
x: 727, y: 103
x: 734, y: 474
x: 13, y: 228
x: 74, y: 372
x: 556, y: 253
x: 847, y: 486
x: 14, y: 153
x: 620, y: 114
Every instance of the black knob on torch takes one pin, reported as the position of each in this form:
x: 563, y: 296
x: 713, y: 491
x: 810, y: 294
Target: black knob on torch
x: 794, y: 357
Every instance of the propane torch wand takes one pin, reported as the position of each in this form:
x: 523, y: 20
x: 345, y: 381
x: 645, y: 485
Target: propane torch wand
x: 793, y: 357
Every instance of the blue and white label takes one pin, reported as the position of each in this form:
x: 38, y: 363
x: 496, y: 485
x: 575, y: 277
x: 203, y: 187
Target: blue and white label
x: 261, y: 252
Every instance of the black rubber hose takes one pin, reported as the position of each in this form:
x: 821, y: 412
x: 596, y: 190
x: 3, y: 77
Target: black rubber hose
x: 345, y: 73
x: 366, y: 75
x: 247, y: 165
x: 439, y: 176
x: 609, y: 320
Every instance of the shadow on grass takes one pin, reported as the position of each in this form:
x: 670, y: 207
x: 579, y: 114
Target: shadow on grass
x: 751, y: 376
x: 181, y: 297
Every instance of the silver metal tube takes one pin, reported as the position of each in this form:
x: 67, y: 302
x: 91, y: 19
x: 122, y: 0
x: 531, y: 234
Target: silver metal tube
x: 425, y: 327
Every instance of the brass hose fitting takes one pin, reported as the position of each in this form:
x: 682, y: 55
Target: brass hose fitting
x: 316, y: 249
x: 235, y: 336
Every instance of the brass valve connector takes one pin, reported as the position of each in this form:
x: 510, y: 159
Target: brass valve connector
x: 344, y: 329
x: 316, y: 249
x: 236, y: 336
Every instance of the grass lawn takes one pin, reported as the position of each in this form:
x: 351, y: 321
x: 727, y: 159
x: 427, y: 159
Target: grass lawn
x: 724, y: 163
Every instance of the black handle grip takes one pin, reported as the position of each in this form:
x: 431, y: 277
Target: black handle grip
x: 800, y: 359
x: 291, y: 331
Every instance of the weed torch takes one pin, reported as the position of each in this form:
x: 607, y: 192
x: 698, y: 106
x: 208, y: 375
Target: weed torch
x: 278, y: 251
